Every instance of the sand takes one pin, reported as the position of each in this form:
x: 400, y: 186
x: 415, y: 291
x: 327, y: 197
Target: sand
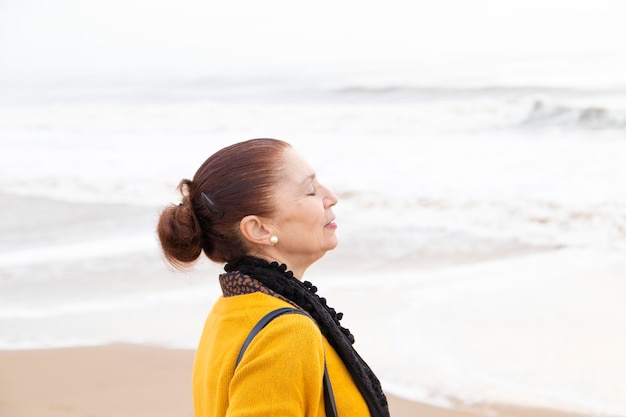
x: 137, y: 381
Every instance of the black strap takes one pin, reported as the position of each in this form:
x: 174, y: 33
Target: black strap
x: 329, y: 397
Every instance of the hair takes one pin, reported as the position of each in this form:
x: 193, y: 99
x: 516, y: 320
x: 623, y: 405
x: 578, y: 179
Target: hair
x: 238, y: 181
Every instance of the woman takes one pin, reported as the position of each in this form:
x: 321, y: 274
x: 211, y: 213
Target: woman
x: 258, y: 207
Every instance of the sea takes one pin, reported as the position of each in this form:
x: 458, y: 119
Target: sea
x: 481, y: 215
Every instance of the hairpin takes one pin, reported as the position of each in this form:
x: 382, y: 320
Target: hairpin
x: 213, y: 208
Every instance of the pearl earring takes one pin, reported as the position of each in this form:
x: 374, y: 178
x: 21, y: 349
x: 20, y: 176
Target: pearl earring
x: 274, y: 240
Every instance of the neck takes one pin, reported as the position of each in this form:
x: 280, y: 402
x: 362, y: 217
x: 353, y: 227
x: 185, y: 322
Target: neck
x: 297, y: 270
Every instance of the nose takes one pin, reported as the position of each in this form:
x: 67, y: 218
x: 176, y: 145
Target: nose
x: 330, y: 199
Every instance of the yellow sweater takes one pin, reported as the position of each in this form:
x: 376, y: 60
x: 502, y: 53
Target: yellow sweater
x: 281, y: 371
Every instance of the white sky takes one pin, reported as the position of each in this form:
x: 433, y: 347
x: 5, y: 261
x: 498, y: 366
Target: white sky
x: 91, y: 36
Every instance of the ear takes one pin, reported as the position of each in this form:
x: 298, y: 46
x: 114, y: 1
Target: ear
x: 255, y: 230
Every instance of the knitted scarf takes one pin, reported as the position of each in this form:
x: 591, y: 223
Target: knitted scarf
x: 278, y: 279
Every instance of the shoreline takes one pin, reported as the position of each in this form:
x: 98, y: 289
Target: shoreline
x: 140, y: 380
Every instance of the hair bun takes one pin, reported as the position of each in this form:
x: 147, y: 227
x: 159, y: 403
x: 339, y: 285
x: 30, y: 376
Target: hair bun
x: 180, y: 234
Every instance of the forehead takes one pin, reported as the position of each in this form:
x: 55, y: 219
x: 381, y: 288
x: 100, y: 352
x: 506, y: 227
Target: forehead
x: 295, y: 167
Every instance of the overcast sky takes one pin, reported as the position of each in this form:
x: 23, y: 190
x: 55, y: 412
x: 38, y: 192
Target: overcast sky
x: 134, y: 36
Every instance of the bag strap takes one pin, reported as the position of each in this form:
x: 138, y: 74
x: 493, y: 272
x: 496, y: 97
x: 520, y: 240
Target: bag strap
x: 329, y: 397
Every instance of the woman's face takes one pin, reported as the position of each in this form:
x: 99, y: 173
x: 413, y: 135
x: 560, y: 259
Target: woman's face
x: 303, y: 220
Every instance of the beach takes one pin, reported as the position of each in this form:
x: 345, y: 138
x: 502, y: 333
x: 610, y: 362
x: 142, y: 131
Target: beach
x: 143, y: 381
x: 477, y: 151
x: 481, y: 227
x: 95, y: 324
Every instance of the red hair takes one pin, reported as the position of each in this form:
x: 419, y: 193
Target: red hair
x: 236, y: 181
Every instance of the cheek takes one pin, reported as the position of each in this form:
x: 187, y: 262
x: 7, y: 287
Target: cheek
x: 306, y: 214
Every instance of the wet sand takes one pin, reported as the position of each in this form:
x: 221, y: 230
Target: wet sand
x: 137, y: 381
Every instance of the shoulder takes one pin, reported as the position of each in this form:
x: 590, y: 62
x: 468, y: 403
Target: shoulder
x: 291, y: 336
x: 281, y: 370
x: 252, y: 308
x: 233, y: 318
x: 293, y: 326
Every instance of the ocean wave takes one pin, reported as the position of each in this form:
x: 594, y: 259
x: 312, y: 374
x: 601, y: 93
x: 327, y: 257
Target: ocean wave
x: 456, y: 226
x: 448, y: 92
x: 78, y: 250
x: 502, y: 106
x: 469, y: 90
x: 542, y: 114
x: 107, y: 303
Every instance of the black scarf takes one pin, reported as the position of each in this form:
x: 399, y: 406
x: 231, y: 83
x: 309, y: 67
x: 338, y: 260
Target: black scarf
x: 278, y: 279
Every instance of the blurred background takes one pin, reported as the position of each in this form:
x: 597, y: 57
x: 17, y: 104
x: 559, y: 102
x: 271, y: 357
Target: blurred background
x: 478, y: 150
